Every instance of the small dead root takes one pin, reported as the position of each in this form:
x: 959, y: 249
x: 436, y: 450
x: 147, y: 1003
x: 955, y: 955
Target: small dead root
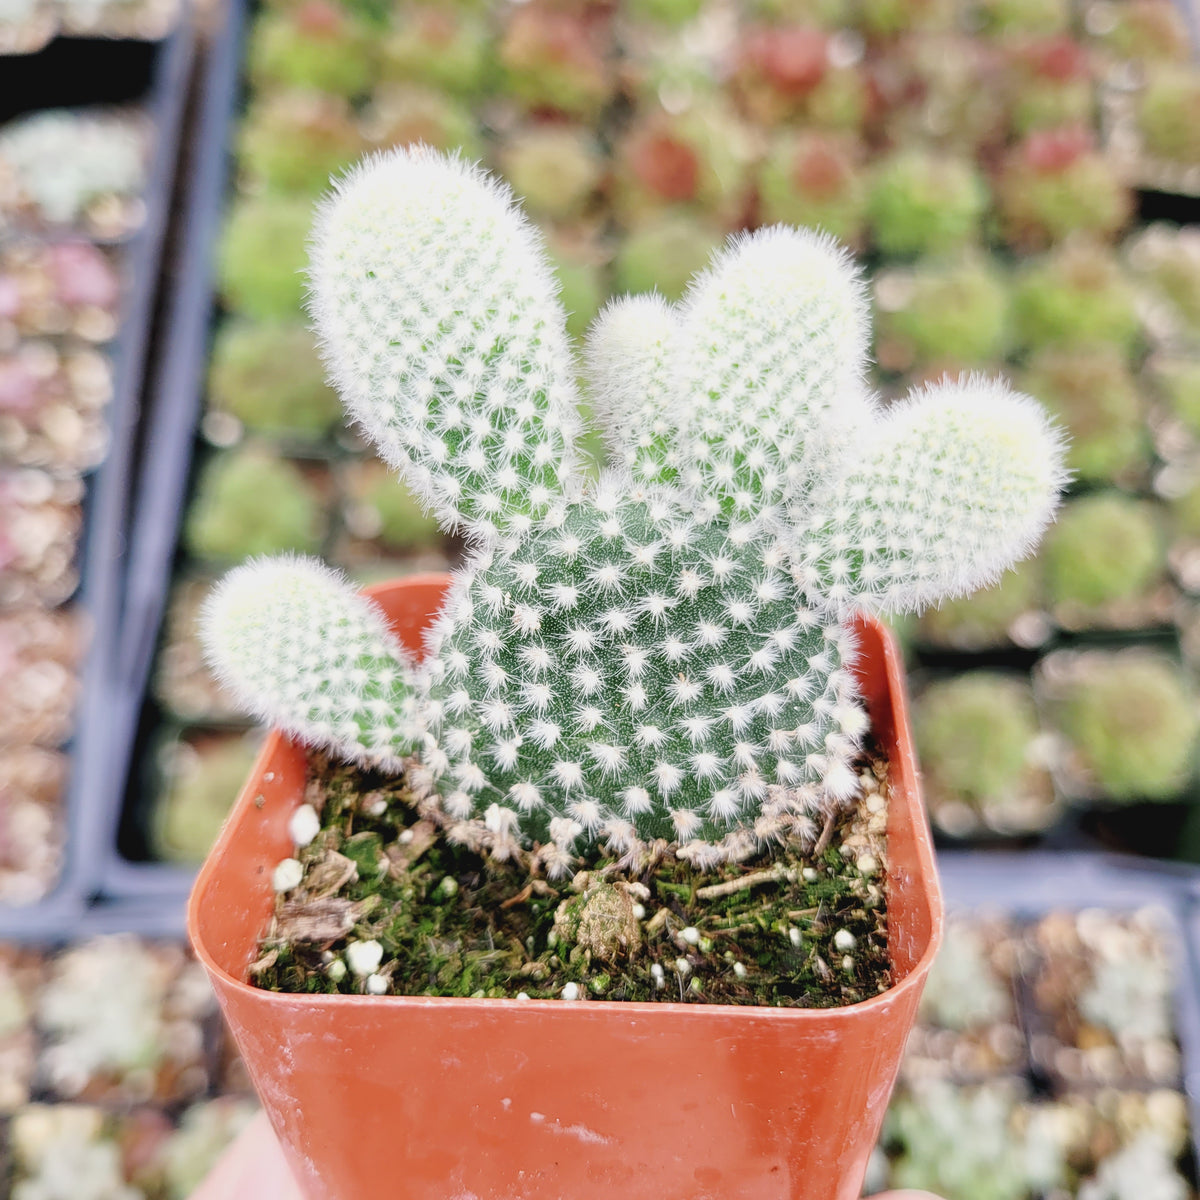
x: 263, y: 964
x: 318, y: 921
x: 714, y: 891
x: 826, y: 834
x: 402, y: 855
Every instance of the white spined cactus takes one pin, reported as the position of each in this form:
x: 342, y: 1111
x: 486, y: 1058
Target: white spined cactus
x: 664, y: 653
x: 300, y: 648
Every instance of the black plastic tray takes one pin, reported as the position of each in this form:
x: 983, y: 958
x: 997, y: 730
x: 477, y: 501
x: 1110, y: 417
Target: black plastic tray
x: 108, y: 499
x: 1033, y: 883
x: 175, y: 394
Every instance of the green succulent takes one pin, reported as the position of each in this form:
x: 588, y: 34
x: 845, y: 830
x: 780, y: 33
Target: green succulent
x: 1178, y: 381
x: 1168, y: 113
x: 435, y: 45
x: 925, y: 202
x: 250, y: 502
x: 974, y: 735
x: 1167, y: 259
x: 390, y: 507
x: 1131, y: 717
x: 983, y: 619
x: 664, y: 254
x: 317, y: 44
x: 556, y: 167
x: 1149, y: 31
x: 1007, y: 17
x: 1077, y: 296
x: 269, y: 376
x: 262, y: 255
x: 1095, y: 398
x: 402, y: 114
x: 581, y: 286
x: 943, y: 314
x: 813, y: 178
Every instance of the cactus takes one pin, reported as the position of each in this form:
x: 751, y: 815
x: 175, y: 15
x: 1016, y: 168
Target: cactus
x: 1168, y: 114
x: 261, y: 256
x: 402, y: 114
x: 925, y: 203
x: 661, y: 653
x: 975, y: 735
x: 292, y: 141
x: 1130, y: 718
x: 1078, y: 296
x: 435, y: 45
x: 250, y: 502
x: 1106, y: 547
x: 268, y: 375
x: 1051, y: 84
x: 1091, y: 392
x: 942, y: 315
x: 816, y: 179
x: 316, y: 45
x: 1056, y: 183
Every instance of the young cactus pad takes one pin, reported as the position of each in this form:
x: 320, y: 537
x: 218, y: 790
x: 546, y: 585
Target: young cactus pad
x: 664, y: 652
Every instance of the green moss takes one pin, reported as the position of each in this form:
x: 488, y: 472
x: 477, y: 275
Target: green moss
x: 923, y: 202
x: 454, y: 924
x: 263, y: 256
x: 974, y: 735
x: 249, y: 502
x: 1132, y: 719
x: 269, y: 376
x: 1095, y: 399
x: 1103, y: 548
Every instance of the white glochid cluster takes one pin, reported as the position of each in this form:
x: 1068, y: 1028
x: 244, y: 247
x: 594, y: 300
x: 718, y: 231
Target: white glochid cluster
x: 665, y: 652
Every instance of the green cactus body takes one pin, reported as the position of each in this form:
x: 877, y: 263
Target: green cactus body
x: 1130, y: 718
x: 1077, y: 297
x: 261, y: 256
x: 270, y: 377
x: 925, y: 203
x: 664, y: 652
x: 1106, y: 547
x: 1095, y: 397
x: 249, y: 501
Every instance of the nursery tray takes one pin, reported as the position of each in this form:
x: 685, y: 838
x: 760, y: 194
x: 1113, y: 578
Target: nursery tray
x: 175, y: 393
x: 107, y: 499
x: 1033, y: 884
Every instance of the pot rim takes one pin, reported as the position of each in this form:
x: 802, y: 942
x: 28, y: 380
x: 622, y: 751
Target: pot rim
x: 906, y: 774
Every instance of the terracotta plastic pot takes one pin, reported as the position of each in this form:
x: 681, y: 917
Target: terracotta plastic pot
x: 459, y: 1099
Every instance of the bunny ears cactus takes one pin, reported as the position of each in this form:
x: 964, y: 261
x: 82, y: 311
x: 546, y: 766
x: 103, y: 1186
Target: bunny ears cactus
x: 664, y: 652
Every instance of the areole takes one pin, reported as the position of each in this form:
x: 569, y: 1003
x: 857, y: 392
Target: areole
x: 460, y: 1099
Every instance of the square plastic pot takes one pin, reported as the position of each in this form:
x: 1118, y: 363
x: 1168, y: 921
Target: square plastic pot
x: 462, y: 1099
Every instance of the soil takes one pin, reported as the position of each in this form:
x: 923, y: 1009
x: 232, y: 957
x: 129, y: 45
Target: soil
x: 801, y: 926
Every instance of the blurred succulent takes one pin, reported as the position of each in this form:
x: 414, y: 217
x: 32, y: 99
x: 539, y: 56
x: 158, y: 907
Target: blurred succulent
x: 67, y: 1152
x: 201, y: 779
x: 1095, y: 398
x: 293, y: 141
x: 402, y: 114
x: 1168, y: 113
x: 1177, y: 380
x: 1051, y: 84
x: 1143, y: 1170
x: 1105, y: 547
x: 1131, y: 995
x: 556, y: 59
x: 204, y: 1131
x: 669, y: 12
x: 248, y: 502
x: 1150, y: 31
x: 975, y: 735
x: 925, y: 202
x: 1008, y: 17
x: 1167, y: 260
x: 944, y: 90
x: 62, y: 162
x: 663, y: 254
x: 815, y: 179
x: 963, y: 991
x: 987, y: 617
x: 581, y: 283
x: 1131, y: 719
x: 314, y: 44
x: 262, y: 255
x: 269, y: 376
x: 886, y: 18
x: 382, y: 509
x: 1078, y: 296
x: 1056, y: 183
x: 967, y: 1143
x: 557, y: 168
x: 942, y: 315
x: 700, y: 157
x: 436, y: 44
